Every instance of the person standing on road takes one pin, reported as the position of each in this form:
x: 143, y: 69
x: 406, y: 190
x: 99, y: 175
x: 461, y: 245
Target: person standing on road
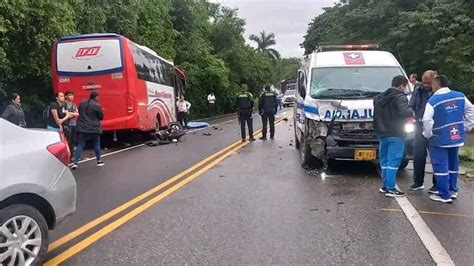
x: 211, y: 104
x: 244, y: 106
x: 414, y: 79
x: 448, y: 115
x: 13, y: 112
x: 390, y: 113
x: 183, y: 111
x: 70, y: 124
x: 421, y: 94
x: 267, y: 104
x: 89, y: 127
x: 57, y: 114
x: 280, y: 100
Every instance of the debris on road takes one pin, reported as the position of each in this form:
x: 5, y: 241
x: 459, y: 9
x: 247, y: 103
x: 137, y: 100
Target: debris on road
x: 206, y: 134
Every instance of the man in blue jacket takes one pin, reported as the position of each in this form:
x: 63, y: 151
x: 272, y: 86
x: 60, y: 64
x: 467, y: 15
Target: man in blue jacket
x: 420, y: 97
x: 448, y: 115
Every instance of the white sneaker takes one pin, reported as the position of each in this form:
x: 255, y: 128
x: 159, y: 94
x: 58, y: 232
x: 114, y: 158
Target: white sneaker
x: 100, y: 163
x: 454, y: 195
x: 439, y: 199
x: 74, y: 166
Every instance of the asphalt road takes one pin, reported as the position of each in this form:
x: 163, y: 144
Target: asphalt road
x: 257, y: 206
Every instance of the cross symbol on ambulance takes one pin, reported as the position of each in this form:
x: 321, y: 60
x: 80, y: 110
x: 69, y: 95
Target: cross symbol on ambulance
x: 454, y: 131
x: 353, y: 55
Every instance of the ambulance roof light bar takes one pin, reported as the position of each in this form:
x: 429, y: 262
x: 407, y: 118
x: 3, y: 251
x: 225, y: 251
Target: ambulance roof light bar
x: 347, y: 47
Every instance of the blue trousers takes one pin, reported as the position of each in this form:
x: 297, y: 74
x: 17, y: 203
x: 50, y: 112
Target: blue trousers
x: 83, y: 138
x: 445, y: 163
x: 391, y: 151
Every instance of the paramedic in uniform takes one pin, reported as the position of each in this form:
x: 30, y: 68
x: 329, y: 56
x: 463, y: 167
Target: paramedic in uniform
x: 244, y: 106
x: 268, y: 105
x: 448, y: 115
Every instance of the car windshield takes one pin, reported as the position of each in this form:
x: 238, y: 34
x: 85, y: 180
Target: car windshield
x: 351, y: 82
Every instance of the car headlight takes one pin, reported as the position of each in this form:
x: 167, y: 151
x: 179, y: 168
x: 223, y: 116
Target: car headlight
x: 409, y: 128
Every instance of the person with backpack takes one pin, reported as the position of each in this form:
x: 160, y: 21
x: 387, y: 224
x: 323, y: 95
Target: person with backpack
x: 56, y: 114
x: 89, y: 128
x: 70, y: 125
x: 13, y: 112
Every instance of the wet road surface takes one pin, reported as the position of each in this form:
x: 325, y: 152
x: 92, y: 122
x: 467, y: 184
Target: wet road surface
x: 257, y: 206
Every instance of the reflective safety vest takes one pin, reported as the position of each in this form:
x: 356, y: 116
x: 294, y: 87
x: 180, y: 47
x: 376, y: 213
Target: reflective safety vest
x: 268, y: 102
x: 244, y: 100
x: 448, y: 127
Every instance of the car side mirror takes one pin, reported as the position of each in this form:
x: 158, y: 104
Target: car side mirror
x: 303, y: 91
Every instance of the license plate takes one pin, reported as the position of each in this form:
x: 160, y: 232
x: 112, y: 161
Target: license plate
x: 365, y: 155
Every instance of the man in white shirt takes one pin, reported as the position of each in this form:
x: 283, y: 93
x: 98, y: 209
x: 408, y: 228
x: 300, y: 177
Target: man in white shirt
x: 183, y: 110
x: 211, y: 104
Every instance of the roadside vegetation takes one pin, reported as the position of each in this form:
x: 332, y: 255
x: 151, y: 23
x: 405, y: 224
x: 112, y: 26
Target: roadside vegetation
x: 205, y: 39
x: 422, y: 34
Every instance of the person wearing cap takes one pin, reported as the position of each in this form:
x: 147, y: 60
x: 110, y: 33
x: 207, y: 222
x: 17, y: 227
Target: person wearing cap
x: 268, y: 107
x: 88, y: 127
x: 448, y: 115
x: 244, y: 106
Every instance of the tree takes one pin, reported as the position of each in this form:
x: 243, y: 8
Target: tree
x: 423, y: 34
x: 264, y: 42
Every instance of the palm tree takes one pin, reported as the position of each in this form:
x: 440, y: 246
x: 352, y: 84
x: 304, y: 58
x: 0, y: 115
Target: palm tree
x: 264, y: 42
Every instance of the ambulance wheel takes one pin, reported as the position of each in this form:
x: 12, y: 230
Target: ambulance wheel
x: 306, y: 158
x: 297, y: 142
x: 404, y: 164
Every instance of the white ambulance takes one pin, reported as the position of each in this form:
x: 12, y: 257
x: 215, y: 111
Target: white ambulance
x: 334, y: 109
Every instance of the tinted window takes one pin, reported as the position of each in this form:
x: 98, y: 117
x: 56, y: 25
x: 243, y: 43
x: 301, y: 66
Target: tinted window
x: 152, y: 68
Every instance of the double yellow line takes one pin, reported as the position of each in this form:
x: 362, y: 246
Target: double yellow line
x: 204, y: 166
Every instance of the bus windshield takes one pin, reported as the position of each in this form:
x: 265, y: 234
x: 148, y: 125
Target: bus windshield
x: 83, y: 57
x: 351, y: 82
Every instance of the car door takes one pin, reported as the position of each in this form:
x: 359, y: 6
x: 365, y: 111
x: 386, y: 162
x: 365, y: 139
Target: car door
x: 299, y: 116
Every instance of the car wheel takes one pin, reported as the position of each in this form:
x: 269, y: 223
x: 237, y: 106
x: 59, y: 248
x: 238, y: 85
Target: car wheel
x: 23, y: 235
x: 404, y: 164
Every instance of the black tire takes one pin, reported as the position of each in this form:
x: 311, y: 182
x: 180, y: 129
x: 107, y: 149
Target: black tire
x: 404, y: 164
x: 297, y: 142
x: 306, y: 158
x: 26, y: 210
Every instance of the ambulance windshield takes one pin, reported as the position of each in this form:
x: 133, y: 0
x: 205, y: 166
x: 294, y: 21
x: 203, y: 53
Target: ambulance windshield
x: 351, y: 82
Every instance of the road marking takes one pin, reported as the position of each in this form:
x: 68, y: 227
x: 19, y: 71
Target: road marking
x: 143, y: 144
x: 433, y: 213
x: 140, y: 209
x: 432, y: 244
x: 63, y: 240
x: 210, y: 126
x: 83, y: 229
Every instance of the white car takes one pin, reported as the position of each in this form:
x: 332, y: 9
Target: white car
x: 37, y: 191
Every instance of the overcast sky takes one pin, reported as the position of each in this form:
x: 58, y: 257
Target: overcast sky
x: 288, y: 19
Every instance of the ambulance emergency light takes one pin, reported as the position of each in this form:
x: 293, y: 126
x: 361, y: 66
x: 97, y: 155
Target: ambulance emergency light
x: 348, y: 47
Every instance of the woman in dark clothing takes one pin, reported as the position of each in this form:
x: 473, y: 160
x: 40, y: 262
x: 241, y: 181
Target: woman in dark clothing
x: 14, y: 113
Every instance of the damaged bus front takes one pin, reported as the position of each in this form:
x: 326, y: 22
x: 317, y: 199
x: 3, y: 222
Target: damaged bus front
x: 334, y: 111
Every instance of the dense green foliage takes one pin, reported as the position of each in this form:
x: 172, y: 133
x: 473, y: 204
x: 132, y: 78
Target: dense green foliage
x: 264, y: 42
x: 423, y: 34
x: 205, y: 39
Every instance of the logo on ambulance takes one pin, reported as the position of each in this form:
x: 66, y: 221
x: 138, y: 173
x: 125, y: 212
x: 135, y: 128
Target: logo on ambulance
x: 354, y: 58
x: 88, y: 51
